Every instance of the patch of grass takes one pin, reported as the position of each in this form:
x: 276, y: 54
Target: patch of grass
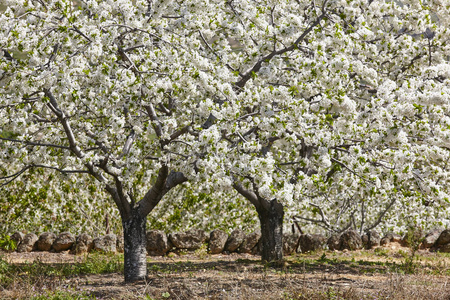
x: 60, y: 295
x: 381, y: 252
x: 319, y: 276
x: 155, y: 268
x: 202, y: 252
x: 38, y: 280
x: 96, y: 264
x: 414, y: 237
x: 33, y: 272
x: 5, y: 268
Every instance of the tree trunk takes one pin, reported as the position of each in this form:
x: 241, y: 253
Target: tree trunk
x: 135, y: 251
x: 271, y: 221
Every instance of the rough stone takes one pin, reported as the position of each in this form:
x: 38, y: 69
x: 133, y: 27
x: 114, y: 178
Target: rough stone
x: 45, y: 241
x: 120, y: 244
x: 384, y: 241
x: 290, y: 243
x: 443, y: 248
x: 413, y: 237
x: 106, y: 243
x: 83, y: 244
x: 365, y: 240
x: 391, y: 237
x: 350, y: 240
x: 443, y: 239
x: 311, y: 242
x: 250, y: 241
x: 157, y: 243
x: 17, y: 237
x: 374, y: 239
x: 63, y: 241
x: 371, y: 239
x: 191, y: 240
x: 442, y: 244
x: 234, y: 240
x: 28, y: 243
x: 217, y: 240
x: 334, y: 242
x: 431, y: 238
x: 257, y: 250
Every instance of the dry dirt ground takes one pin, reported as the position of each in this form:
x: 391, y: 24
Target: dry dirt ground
x: 324, y: 275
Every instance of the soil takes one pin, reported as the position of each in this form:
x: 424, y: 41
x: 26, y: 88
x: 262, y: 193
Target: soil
x: 327, y: 275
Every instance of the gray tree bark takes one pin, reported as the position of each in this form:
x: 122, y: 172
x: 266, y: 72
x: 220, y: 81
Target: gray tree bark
x: 134, y: 220
x: 271, y: 214
x: 135, y: 252
x: 271, y: 220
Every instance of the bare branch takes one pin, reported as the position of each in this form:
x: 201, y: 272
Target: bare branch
x: 249, y: 195
x: 29, y: 143
x: 317, y: 222
x: 256, y: 67
x: 155, y: 193
x: 75, y: 28
x: 14, y: 176
x: 127, y: 147
x: 63, y: 171
x: 125, y: 58
x: 156, y: 123
x: 126, y: 206
x: 134, y: 29
x: 245, y: 116
x: 53, y: 55
x: 163, y: 109
x: 322, y: 214
x: 61, y: 116
x: 97, y: 142
x: 290, y: 163
x: 171, y: 17
x: 241, y: 137
x: 179, y: 132
x: 174, y: 179
x: 351, y: 171
x: 212, y: 50
x: 133, y: 48
x: 120, y: 205
x: 382, y: 214
x: 418, y: 56
x: 181, y: 142
x: 150, y: 157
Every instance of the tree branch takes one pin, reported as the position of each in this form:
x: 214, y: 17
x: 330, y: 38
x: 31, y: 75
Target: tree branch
x: 29, y: 143
x: 98, y: 143
x: 129, y: 142
x: 156, y: 123
x: 115, y: 195
x: 381, y: 216
x: 247, y: 75
x: 212, y: 50
x: 351, y: 171
x: 53, y: 105
x: 74, y: 28
x: 17, y: 174
x: 249, y: 195
x: 155, y: 193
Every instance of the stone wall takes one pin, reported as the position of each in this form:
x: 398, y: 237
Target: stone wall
x: 218, y: 241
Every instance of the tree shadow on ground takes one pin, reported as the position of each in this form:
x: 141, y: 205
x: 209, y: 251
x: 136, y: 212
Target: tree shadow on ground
x: 297, y: 266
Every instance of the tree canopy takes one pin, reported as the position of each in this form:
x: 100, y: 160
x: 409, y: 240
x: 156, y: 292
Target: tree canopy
x: 333, y: 112
x: 340, y: 109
